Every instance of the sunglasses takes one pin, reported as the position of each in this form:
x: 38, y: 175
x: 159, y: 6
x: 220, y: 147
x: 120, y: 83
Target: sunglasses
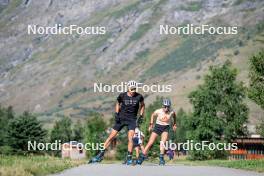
x: 133, y: 89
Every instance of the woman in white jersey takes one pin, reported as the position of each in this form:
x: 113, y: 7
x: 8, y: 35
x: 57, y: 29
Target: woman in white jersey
x: 162, y: 126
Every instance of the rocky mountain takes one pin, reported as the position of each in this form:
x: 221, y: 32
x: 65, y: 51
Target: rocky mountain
x: 54, y: 75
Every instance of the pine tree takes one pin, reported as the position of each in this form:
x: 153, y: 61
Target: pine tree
x: 62, y: 130
x: 219, y: 111
x: 23, y: 129
x: 95, y: 132
x: 6, y: 114
x: 78, y: 131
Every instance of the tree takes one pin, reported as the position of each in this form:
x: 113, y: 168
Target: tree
x: 78, y: 131
x: 95, y: 132
x: 181, y: 131
x: 6, y: 114
x: 121, y: 149
x: 23, y: 129
x: 260, y: 128
x: 256, y: 75
x: 62, y: 130
x: 219, y: 113
x: 256, y: 89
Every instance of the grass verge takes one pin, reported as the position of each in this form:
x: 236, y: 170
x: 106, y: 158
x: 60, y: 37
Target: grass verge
x: 34, y: 165
x: 253, y: 165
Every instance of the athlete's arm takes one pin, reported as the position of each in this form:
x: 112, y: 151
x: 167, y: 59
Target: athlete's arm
x: 142, y: 108
x: 153, y: 115
x: 117, y: 107
x: 118, y: 102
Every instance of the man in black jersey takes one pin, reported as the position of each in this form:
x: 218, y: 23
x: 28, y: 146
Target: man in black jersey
x: 126, y: 110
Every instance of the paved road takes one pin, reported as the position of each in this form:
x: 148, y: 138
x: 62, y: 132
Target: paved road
x: 153, y: 170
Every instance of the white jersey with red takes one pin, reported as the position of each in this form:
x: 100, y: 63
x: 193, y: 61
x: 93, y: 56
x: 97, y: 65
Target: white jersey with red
x: 163, y: 118
x: 139, y: 135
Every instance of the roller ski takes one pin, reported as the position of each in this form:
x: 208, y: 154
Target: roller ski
x: 129, y: 161
x: 97, y: 159
x: 161, y: 160
x: 141, y: 159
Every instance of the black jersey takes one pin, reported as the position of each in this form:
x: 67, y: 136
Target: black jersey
x: 129, y: 105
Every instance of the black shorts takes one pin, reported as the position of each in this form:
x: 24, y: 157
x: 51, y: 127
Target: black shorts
x: 158, y: 129
x: 135, y: 142
x: 131, y: 124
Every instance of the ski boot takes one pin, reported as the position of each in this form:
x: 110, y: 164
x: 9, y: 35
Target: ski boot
x: 129, y: 160
x: 161, y: 160
x: 98, y: 158
x: 141, y: 159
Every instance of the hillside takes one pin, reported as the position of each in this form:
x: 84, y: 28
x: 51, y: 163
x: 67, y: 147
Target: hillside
x: 53, y: 75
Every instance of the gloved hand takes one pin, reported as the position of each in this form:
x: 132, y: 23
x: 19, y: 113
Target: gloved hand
x: 140, y: 119
x: 117, y: 118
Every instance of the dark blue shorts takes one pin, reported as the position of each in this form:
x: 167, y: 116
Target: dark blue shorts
x: 159, y: 129
x: 135, y: 142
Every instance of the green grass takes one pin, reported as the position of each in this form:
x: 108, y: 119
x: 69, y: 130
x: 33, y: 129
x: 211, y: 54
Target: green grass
x: 142, y: 29
x: 192, y: 50
x: 11, y: 6
x: 238, y: 2
x: 192, y: 6
x: 140, y: 56
x: 34, y: 165
x: 121, y: 12
x: 253, y: 165
x: 98, y: 41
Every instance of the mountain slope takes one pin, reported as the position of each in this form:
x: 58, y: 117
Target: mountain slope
x: 54, y: 74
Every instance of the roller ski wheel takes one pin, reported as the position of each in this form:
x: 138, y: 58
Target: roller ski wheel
x: 162, y: 162
x: 95, y: 160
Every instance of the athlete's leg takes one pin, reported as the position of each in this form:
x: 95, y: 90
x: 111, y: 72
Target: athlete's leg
x: 137, y: 151
x: 130, y: 135
x: 110, y: 138
x: 145, y: 150
x: 142, y: 148
x: 164, y: 138
x: 99, y: 157
x: 152, y: 139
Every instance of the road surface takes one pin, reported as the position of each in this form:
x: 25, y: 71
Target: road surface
x: 153, y: 170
